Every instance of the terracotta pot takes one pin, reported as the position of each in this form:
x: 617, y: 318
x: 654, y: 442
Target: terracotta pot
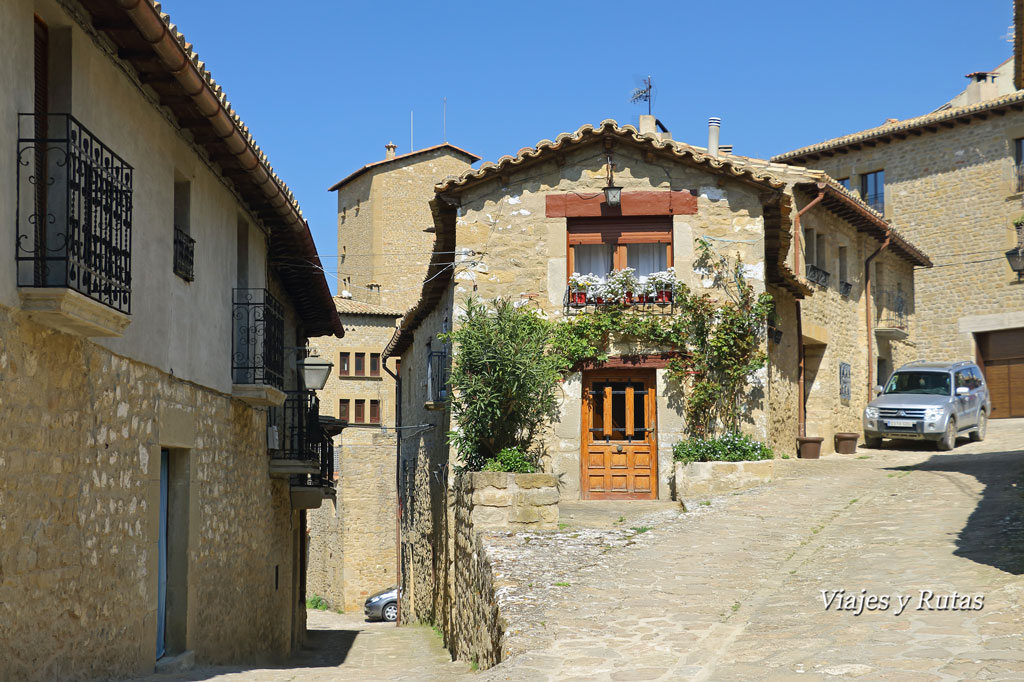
x: 809, y: 447
x: 664, y: 296
x: 846, y: 443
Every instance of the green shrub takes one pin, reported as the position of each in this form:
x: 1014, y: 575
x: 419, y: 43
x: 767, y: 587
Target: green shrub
x: 512, y: 460
x: 504, y: 381
x: 732, y: 447
x: 317, y: 602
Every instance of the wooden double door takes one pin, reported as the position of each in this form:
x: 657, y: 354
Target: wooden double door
x: 1002, y: 356
x: 619, y: 455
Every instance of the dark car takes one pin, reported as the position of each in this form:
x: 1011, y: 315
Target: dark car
x: 382, y: 606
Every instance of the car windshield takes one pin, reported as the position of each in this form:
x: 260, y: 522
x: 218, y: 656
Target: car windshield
x: 931, y: 383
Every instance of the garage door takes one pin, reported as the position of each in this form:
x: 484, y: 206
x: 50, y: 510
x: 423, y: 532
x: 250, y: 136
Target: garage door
x: 1002, y: 354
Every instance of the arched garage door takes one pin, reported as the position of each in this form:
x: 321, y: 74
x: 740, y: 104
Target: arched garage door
x: 1002, y: 355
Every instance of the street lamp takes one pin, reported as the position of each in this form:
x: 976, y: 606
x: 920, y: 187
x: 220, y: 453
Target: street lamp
x: 612, y: 194
x: 315, y: 371
x: 1016, y: 259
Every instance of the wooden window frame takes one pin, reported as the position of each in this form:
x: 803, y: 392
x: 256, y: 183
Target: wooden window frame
x: 344, y: 364
x: 375, y: 412
x: 343, y: 409
x: 619, y: 231
x: 359, y: 416
x: 374, y: 364
x: 359, y: 365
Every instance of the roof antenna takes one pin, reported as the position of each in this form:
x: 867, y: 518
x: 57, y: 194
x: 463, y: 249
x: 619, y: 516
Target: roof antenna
x: 444, y: 119
x: 643, y: 94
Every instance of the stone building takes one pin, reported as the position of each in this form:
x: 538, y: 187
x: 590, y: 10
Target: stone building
x: 518, y: 228
x: 951, y: 181
x: 157, y: 448
x: 385, y: 236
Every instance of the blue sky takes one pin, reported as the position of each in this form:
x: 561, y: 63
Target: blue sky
x: 324, y: 85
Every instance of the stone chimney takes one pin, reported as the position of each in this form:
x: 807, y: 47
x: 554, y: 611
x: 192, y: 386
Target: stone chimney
x: 647, y: 124
x: 714, y: 129
x: 390, y: 153
x: 982, y: 86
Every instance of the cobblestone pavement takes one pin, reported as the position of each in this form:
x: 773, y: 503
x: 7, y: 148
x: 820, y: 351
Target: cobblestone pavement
x: 733, y: 590
x: 345, y: 648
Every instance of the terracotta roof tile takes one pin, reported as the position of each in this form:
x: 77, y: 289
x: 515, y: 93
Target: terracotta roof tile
x: 347, y: 306
x: 355, y: 174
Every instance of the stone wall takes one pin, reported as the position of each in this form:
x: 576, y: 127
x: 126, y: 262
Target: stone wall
x: 81, y: 431
x: 952, y: 192
x: 352, y: 542
x: 490, y: 501
x: 695, y: 480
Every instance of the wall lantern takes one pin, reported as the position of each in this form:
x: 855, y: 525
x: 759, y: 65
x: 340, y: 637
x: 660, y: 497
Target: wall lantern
x: 612, y: 194
x: 315, y: 370
x: 1016, y: 259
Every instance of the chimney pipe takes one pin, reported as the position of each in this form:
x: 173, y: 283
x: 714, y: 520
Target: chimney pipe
x: 390, y: 153
x: 714, y: 128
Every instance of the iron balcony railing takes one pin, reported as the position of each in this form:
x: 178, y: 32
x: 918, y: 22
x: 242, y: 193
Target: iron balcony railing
x: 578, y: 302
x: 845, y: 288
x: 184, y: 255
x: 74, y: 211
x: 876, y: 201
x: 437, y: 376
x: 305, y: 440
x: 818, y: 275
x: 257, y: 350
x: 891, y: 309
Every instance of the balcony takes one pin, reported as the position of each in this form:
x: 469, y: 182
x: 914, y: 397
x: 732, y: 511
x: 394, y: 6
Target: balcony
x: 306, y: 456
x: 891, y: 320
x: 818, y: 275
x: 74, y: 233
x: 257, y: 347
x: 845, y: 289
x: 578, y: 302
x: 184, y: 255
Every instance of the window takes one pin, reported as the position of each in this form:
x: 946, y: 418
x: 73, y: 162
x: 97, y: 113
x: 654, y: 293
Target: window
x: 360, y: 416
x: 844, y: 275
x: 184, y: 245
x: 599, y: 245
x: 872, y: 190
x: 343, y: 409
x: 360, y: 364
x: 374, y: 364
x: 1018, y: 163
x: 343, y: 366
x: 375, y: 412
x: 810, y: 250
x: 821, y: 252
x: 845, y: 182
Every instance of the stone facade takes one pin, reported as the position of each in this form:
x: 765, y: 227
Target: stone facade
x: 105, y: 411
x: 696, y: 480
x: 952, y: 189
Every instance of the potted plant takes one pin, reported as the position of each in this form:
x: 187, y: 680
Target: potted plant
x: 621, y: 285
x: 664, y: 285
x: 578, y: 285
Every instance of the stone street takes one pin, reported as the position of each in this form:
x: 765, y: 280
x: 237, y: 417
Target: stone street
x: 732, y: 590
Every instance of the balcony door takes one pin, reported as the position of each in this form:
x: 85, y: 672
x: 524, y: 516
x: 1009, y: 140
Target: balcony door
x: 619, y: 455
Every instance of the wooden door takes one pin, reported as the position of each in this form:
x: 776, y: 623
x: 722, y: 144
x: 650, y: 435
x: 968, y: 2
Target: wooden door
x: 619, y: 448
x: 1002, y: 353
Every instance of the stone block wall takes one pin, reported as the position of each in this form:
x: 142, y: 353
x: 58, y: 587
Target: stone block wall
x: 490, y: 501
x: 694, y: 480
x: 81, y: 431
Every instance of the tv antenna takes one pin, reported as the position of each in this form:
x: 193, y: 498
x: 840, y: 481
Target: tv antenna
x: 643, y: 94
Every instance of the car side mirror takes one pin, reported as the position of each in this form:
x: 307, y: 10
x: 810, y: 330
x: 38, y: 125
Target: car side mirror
x: 962, y: 390
x: 877, y: 390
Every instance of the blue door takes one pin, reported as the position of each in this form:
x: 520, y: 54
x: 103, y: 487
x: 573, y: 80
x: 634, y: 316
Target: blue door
x: 161, y: 590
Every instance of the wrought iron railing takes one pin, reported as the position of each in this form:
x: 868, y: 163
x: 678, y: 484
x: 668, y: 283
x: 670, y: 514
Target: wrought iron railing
x: 1018, y: 172
x: 876, y: 201
x: 845, y: 288
x: 437, y: 376
x: 578, y: 302
x: 74, y: 211
x: 891, y: 309
x: 257, y: 347
x: 818, y: 275
x: 184, y: 255
x: 305, y: 440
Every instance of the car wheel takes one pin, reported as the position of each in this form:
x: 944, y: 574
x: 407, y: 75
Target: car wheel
x: 978, y: 434
x: 873, y: 443
x: 390, y: 612
x: 948, y: 440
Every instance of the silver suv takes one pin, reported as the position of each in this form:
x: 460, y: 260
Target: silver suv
x: 929, y: 401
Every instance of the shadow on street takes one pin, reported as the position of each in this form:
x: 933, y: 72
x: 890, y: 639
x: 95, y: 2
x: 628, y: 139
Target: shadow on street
x: 994, y: 534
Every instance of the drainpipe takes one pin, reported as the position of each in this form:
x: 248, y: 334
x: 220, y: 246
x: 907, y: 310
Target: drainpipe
x: 398, y: 486
x: 801, y: 408
x: 867, y: 309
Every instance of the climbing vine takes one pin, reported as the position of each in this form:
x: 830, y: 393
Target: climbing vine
x: 717, y: 341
